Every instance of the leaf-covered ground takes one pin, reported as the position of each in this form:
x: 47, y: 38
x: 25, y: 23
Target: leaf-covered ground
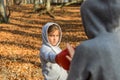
x: 20, y: 40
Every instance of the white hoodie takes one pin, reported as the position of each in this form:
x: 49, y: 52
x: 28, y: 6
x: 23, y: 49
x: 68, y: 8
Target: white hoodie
x: 50, y: 69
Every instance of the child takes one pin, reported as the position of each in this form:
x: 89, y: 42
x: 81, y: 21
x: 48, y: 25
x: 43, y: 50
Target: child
x: 51, y: 35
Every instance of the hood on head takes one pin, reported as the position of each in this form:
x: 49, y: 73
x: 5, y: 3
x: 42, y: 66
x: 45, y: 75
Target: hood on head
x: 100, y: 16
x: 45, y: 34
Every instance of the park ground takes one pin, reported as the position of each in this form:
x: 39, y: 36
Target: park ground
x: 20, y: 39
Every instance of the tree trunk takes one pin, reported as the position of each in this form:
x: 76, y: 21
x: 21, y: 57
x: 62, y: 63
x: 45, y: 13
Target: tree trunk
x: 44, y: 8
x: 11, y: 2
x: 48, y: 6
x: 25, y: 1
x: 36, y: 6
x: 17, y: 2
x: 3, y: 15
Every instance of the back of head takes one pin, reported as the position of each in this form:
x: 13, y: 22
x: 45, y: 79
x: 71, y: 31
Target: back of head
x: 100, y: 16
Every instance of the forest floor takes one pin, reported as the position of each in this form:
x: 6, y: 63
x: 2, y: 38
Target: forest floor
x: 20, y: 40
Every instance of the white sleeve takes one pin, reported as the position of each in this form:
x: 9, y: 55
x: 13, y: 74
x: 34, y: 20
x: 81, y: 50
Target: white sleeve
x: 48, y: 55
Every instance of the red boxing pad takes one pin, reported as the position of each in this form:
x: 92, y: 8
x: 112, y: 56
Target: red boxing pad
x: 62, y: 60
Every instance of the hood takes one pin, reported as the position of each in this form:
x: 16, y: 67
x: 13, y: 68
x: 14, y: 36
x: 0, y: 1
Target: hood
x: 100, y: 16
x: 45, y: 35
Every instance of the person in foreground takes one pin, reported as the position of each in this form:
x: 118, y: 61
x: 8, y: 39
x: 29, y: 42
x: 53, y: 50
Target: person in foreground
x: 98, y: 58
x: 49, y: 53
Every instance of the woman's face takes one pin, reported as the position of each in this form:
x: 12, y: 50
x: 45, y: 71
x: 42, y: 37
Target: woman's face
x: 53, y: 37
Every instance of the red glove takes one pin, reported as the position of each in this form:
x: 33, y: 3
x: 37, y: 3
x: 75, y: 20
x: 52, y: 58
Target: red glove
x: 62, y: 60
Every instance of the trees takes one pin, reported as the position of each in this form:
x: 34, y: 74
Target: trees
x: 46, y: 8
x: 4, y: 12
x: 40, y: 6
x: 17, y: 2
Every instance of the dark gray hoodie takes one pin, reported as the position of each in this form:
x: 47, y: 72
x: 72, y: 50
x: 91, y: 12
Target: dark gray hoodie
x: 98, y: 58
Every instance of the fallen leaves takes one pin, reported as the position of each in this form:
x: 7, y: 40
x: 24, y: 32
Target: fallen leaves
x: 20, y: 40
